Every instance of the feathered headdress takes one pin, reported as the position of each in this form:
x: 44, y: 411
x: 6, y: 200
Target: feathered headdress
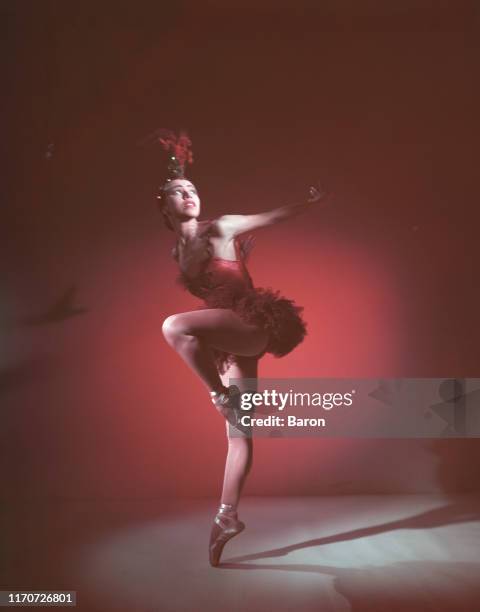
x: 179, y: 149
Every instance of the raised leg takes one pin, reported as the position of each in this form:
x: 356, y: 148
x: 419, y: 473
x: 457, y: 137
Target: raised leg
x: 193, y: 335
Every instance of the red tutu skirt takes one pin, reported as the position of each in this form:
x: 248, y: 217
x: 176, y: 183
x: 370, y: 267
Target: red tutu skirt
x: 280, y: 317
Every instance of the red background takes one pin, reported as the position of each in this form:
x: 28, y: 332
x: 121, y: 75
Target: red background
x: 377, y: 101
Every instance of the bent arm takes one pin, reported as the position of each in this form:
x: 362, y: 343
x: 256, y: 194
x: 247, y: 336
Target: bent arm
x: 232, y: 225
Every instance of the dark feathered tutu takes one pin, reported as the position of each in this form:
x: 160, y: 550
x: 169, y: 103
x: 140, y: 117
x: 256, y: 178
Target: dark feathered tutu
x: 280, y: 317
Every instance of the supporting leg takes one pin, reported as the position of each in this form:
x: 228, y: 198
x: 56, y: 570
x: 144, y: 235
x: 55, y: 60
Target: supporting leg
x: 240, y: 444
x: 237, y: 467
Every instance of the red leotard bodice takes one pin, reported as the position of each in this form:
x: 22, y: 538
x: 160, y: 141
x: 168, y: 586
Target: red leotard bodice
x: 233, y: 273
x: 220, y: 277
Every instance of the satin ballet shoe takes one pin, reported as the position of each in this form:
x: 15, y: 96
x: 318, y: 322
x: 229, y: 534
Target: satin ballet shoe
x: 224, y: 528
x: 228, y: 404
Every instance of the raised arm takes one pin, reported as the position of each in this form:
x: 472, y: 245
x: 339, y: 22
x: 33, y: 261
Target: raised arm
x: 232, y: 225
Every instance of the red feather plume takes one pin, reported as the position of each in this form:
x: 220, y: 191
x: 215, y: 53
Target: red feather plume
x: 180, y: 146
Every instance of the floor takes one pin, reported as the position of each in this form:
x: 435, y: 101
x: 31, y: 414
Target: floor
x: 334, y: 554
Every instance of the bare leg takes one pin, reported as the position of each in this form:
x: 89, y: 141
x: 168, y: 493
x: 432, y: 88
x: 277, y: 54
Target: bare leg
x: 237, y: 466
x: 240, y: 445
x: 193, y: 335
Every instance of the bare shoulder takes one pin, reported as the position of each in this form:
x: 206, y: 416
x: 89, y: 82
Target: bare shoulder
x: 225, y: 225
x: 211, y: 227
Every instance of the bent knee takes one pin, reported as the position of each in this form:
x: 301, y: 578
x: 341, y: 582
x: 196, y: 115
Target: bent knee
x: 176, y: 331
x: 171, y: 328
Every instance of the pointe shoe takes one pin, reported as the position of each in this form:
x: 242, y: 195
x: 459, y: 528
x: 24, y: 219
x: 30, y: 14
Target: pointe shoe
x: 224, y: 528
x: 228, y: 404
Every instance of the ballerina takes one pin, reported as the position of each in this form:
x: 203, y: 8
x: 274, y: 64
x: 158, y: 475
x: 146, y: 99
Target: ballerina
x: 238, y: 323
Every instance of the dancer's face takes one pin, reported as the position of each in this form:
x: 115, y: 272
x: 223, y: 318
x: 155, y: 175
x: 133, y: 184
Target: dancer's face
x: 182, y: 199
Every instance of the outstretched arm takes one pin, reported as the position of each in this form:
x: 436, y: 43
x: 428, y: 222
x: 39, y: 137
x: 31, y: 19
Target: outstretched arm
x: 232, y: 225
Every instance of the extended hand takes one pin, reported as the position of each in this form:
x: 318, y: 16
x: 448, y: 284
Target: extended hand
x: 316, y: 193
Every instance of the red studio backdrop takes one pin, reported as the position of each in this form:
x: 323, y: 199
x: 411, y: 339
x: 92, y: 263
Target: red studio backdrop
x: 95, y: 403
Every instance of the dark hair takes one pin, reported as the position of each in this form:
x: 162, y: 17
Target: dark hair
x: 161, y: 208
x: 166, y: 221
